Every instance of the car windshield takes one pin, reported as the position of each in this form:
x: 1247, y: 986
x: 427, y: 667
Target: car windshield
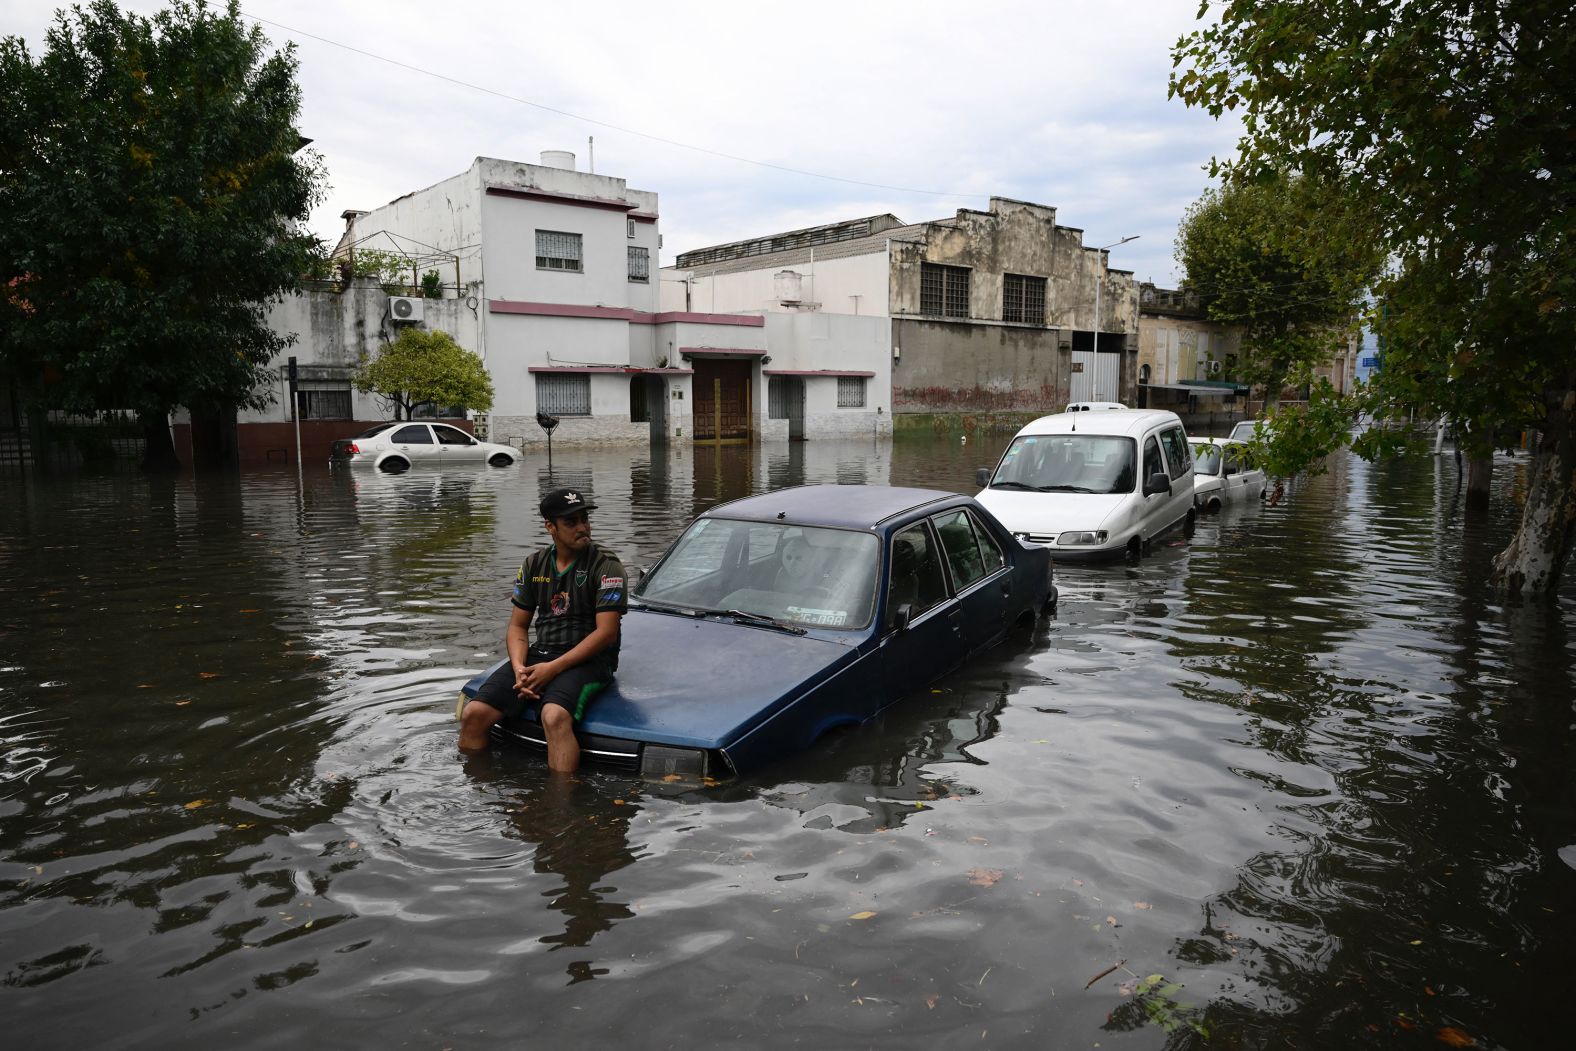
x: 796, y: 574
x: 1206, y: 459
x: 1242, y: 431
x: 373, y: 432
x: 1068, y: 463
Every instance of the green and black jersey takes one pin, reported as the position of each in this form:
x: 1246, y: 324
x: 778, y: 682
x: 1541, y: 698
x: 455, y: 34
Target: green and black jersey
x: 564, y: 606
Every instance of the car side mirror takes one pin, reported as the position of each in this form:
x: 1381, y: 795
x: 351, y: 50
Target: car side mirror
x: 1159, y: 482
x: 982, y: 477
x: 901, y: 617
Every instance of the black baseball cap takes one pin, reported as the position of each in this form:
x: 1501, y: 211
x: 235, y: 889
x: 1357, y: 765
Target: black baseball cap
x: 562, y: 502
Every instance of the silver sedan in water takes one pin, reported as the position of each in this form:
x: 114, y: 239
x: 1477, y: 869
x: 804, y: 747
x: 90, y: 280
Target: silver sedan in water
x: 401, y: 445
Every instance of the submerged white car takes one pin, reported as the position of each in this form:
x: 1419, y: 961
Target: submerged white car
x: 401, y: 445
x: 1094, y: 484
x: 1224, y: 472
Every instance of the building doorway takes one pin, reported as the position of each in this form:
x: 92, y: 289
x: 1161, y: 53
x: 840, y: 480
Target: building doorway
x: 722, y: 400
x: 785, y: 401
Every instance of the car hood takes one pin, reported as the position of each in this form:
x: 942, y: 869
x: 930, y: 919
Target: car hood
x: 1024, y: 512
x: 704, y: 682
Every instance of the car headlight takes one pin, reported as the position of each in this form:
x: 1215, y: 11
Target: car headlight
x: 1081, y: 537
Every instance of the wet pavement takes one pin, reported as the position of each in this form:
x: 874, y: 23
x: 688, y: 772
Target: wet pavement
x: 1298, y: 781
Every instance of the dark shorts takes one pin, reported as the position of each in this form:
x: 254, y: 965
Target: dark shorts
x: 572, y: 689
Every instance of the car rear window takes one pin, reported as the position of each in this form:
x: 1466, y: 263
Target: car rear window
x: 373, y: 432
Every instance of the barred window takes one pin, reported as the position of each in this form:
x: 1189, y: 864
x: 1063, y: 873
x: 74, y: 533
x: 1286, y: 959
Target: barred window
x: 639, y: 264
x: 944, y: 290
x: 557, y: 251
x: 1023, y: 299
x: 563, y: 394
x: 323, y: 400
x: 850, y: 392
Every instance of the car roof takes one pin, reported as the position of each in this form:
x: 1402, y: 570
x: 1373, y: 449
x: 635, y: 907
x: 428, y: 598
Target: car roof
x: 1108, y: 421
x: 842, y: 506
x: 1196, y: 440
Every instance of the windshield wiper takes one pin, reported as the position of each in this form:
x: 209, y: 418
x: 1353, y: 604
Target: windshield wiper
x: 658, y: 606
x: 1015, y: 485
x: 761, y: 620
x: 1065, y: 489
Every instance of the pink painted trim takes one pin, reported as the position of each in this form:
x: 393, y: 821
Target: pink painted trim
x: 816, y: 372
x: 634, y: 317
x: 744, y: 320
x: 736, y: 352
x: 503, y: 306
x: 561, y: 198
x: 617, y: 370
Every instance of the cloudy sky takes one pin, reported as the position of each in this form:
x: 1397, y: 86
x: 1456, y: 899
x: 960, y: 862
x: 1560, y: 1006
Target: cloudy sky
x: 748, y: 119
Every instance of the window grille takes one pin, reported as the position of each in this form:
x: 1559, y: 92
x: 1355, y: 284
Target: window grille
x: 324, y: 403
x: 565, y: 394
x: 557, y: 251
x: 850, y: 392
x: 639, y: 264
x: 1023, y: 299
x: 944, y: 290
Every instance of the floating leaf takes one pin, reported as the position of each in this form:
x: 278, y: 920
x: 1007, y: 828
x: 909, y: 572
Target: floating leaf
x: 195, y: 803
x: 932, y: 1000
x: 670, y: 778
x: 251, y: 611
x: 985, y: 877
x: 209, y: 674
x: 1142, y: 905
x: 1449, y: 1034
x: 1112, y: 921
x: 183, y: 703
x: 862, y: 915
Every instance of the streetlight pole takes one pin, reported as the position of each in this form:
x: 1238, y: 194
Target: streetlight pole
x: 1099, y: 283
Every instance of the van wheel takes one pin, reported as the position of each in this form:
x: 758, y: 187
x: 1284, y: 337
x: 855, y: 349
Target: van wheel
x: 1214, y: 505
x: 500, y: 460
x: 1135, y: 549
x: 1192, y: 521
x: 394, y: 465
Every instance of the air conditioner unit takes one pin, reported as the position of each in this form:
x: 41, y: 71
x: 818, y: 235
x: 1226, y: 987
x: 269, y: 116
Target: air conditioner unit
x: 406, y: 308
x: 1212, y: 368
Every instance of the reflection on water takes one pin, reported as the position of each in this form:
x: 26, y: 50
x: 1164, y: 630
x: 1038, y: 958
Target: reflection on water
x: 1304, y: 767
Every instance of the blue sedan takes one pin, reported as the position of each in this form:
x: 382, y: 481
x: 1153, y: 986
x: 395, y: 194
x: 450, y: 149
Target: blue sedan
x: 776, y: 618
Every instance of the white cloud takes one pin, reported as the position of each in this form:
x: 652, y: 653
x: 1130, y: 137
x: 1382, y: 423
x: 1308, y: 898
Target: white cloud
x: 1060, y: 103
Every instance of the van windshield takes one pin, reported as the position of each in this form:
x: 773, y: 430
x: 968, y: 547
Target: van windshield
x: 1069, y: 463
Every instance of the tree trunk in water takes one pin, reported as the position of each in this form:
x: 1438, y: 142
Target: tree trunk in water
x: 158, y: 446
x: 1535, y: 561
x: 1480, y: 472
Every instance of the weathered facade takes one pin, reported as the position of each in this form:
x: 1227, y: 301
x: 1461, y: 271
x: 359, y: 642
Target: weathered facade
x: 987, y: 311
x: 1188, y: 363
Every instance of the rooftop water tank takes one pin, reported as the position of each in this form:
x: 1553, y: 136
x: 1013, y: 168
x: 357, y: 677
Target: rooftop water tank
x: 558, y: 159
x: 789, y: 286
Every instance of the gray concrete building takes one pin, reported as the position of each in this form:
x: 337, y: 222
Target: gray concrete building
x: 984, y: 312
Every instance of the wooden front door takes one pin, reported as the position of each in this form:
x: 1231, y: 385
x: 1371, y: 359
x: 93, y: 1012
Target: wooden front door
x: 722, y: 400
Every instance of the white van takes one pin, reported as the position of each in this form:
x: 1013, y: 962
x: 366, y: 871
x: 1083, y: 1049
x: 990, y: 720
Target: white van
x: 1094, y: 484
x: 1089, y: 406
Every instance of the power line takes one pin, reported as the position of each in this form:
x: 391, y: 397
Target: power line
x: 601, y: 123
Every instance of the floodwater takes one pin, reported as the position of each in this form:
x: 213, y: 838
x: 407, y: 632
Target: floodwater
x: 1297, y: 782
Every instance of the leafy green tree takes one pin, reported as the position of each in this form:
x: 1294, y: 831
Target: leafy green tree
x: 1451, y: 120
x: 150, y: 189
x: 1281, y: 259
x: 422, y: 366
